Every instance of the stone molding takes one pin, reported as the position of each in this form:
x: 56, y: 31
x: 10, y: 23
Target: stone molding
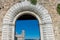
x: 45, y: 22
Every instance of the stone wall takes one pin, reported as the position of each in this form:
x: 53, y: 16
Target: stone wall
x: 50, y: 5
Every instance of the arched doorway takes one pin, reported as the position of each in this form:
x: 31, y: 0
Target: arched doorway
x: 45, y: 22
x: 30, y: 25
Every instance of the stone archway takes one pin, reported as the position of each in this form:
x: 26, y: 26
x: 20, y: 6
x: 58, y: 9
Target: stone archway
x: 39, y: 11
x: 27, y: 18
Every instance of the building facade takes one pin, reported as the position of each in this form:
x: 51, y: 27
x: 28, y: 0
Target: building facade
x: 49, y: 5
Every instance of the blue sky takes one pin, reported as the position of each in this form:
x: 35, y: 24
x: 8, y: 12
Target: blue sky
x: 30, y: 27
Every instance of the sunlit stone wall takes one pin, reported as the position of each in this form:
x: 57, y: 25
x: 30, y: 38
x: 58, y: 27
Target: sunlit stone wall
x: 50, y: 5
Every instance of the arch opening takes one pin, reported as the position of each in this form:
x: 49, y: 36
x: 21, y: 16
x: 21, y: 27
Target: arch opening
x: 26, y: 17
x: 30, y: 23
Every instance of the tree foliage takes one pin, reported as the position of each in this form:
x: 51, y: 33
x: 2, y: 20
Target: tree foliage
x: 58, y: 8
x: 33, y: 2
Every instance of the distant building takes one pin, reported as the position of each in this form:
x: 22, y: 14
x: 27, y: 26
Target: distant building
x: 20, y: 37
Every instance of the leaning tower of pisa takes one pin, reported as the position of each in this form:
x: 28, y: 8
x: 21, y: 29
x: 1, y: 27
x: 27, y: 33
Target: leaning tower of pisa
x: 20, y: 36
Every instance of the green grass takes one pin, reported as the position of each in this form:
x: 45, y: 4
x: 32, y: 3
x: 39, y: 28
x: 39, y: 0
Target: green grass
x: 34, y: 2
x: 58, y: 9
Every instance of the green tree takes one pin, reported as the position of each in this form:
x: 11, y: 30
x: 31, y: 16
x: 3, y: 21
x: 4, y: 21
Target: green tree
x: 58, y: 8
x: 34, y: 2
